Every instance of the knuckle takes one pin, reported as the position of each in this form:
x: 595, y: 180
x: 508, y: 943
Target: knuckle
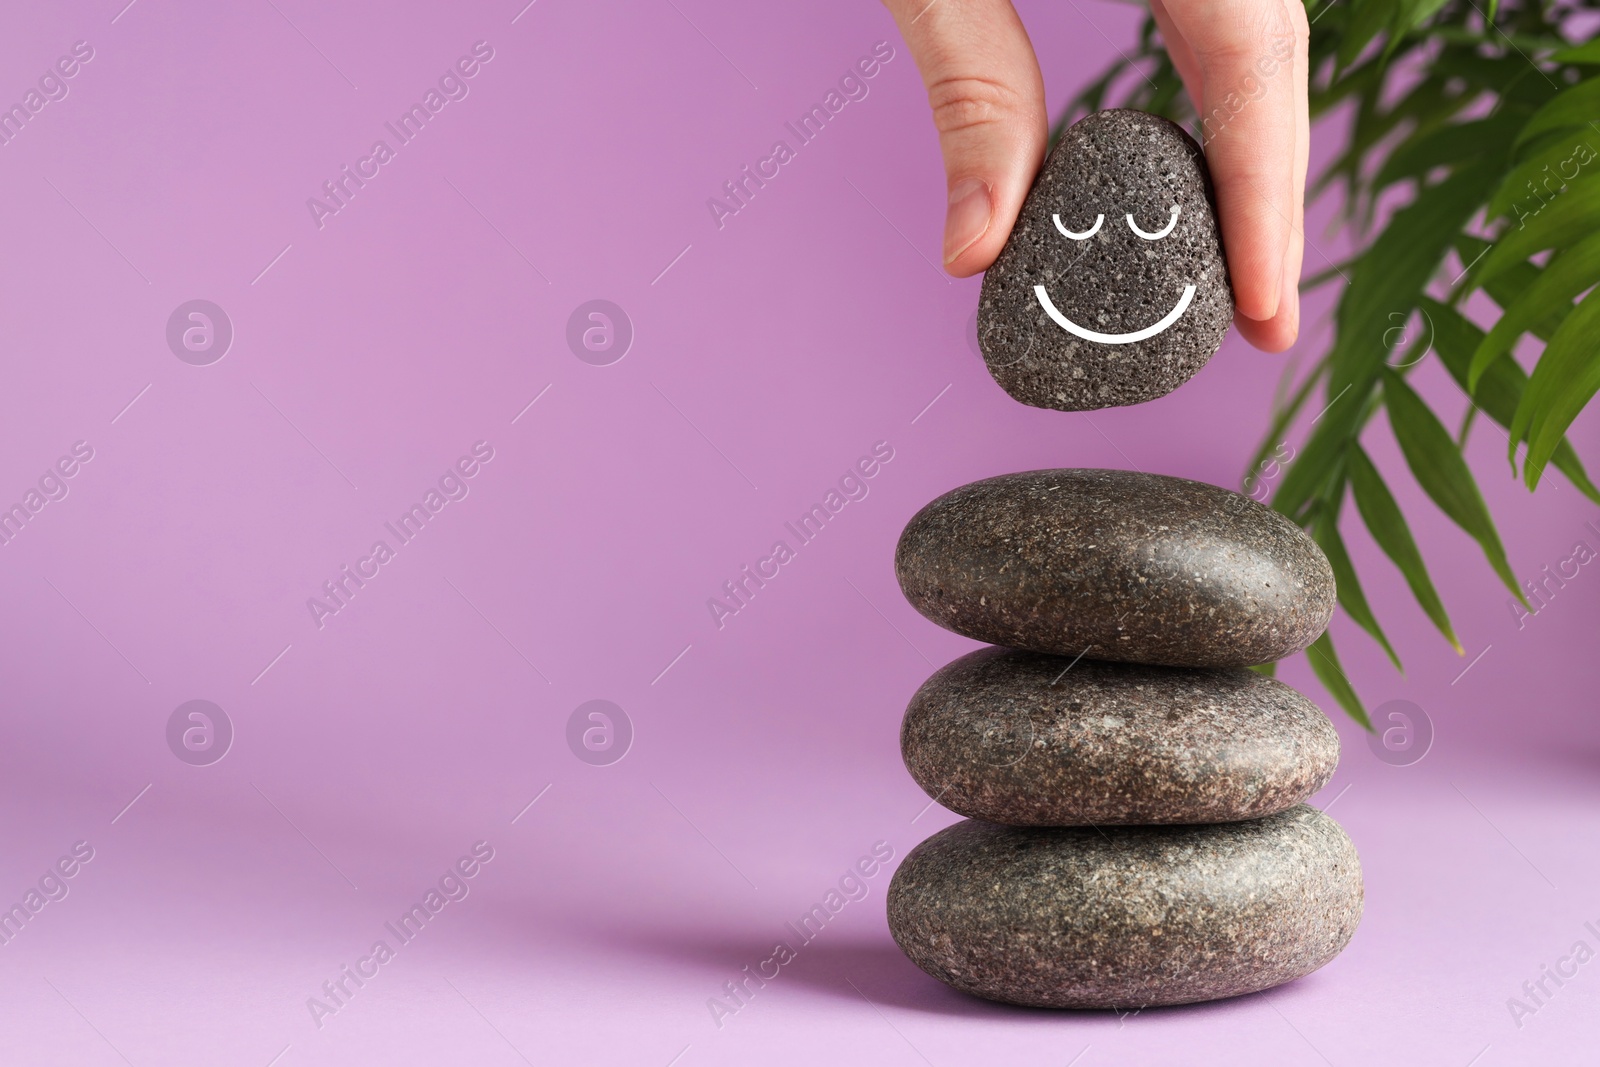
x: 1298, y: 28
x: 1243, y: 37
x: 962, y: 103
x: 1302, y: 34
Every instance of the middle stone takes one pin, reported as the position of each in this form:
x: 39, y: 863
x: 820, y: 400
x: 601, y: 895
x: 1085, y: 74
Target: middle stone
x: 1028, y: 739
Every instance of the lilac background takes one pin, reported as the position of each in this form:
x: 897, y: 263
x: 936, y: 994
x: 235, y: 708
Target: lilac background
x: 769, y: 355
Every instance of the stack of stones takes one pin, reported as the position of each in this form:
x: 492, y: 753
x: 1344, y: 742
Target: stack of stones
x: 1136, y: 830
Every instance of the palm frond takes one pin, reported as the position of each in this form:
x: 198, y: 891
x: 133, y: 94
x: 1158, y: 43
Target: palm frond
x: 1486, y: 114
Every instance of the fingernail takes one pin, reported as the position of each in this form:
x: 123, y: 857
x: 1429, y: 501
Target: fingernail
x: 1267, y: 298
x: 967, y: 218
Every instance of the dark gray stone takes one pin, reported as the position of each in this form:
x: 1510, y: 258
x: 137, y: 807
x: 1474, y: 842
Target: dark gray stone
x: 1030, y: 739
x: 1127, y: 917
x: 1108, y: 166
x: 1116, y: 565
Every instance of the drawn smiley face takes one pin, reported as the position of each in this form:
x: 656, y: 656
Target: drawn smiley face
x: 1147, y: 332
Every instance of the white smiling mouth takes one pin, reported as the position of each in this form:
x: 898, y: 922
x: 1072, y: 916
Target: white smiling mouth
x: 1114, y: 338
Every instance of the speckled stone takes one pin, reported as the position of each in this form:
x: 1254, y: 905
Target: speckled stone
x: 1116, y: 565
x: 1030, y: 739
x: 1127, y: 917
x: 1108, y: 166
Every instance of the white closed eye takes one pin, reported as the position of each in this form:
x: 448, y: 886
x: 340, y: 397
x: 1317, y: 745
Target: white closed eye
x: 1086, y: 234
x: 1159, y: 234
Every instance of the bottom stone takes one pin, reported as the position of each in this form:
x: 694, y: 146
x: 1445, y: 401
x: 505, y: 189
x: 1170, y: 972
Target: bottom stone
x: 1129, y: 916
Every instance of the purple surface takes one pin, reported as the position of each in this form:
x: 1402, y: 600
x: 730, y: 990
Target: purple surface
x: 769, y: 354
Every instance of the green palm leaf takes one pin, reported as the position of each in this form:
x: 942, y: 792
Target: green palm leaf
x: 1351, y: 596
x: 1583, y: 54
x: 1281, y: 419
x: 1506, y: 287
x: 1388, y: 527
x: 1367, y: 19
x: 1561, y: 223
x: 1459, y: 142
x: 1550, y: 295
x: 1545, y: 173
x: 1392, y: 274
x: 1500, y: 388
x: 1325, y: 664
x: 1566, y: 378
x: 1321, y: 459
x: 1442, y: 473
x: 1576, y: 106
x: 1409, y: 14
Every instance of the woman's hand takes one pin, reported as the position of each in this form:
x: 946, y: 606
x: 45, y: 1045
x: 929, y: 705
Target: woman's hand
x: 1243, y: 63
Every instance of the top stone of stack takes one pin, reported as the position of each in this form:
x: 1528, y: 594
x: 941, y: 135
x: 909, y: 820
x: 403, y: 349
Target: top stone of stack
x: 1112, y: 288
x: 1116, y: 565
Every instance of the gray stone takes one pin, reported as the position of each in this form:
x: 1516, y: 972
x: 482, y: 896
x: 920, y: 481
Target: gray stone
x: 1116, y: 565
x: 1114, y: 283
x: 1127, y: 917
x: 1030, y: 739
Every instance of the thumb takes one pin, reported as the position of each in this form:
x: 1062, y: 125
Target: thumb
x: 988, y: 105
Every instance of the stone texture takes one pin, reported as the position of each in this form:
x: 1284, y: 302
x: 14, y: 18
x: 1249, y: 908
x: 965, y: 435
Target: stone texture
x: 1127, y: 917
x: 1108, y: 166
x: 1116, y: 565
x: 1030, y: 739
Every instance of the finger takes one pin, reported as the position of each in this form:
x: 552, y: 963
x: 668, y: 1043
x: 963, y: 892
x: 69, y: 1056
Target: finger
x: 1244, y: 49
x: 1280, y: 332
x: 987, y: 97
